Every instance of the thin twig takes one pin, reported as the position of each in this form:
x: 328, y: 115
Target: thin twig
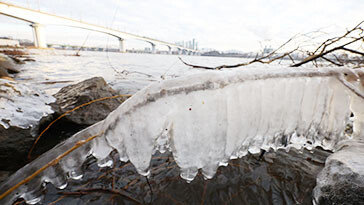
x: 314, y: 57
x: 83, y: 44
x: 57, y: 200
x: 353, y: 51
x: 290, y: 57
x: 151, y: 190
x: 331, y: 41
x: 204, y: 192
x: 331, y: 61
x: 255, y: 60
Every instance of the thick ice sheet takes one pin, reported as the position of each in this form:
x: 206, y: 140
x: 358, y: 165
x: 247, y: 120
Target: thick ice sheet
x: 209, y: 118
x: 21, y: 106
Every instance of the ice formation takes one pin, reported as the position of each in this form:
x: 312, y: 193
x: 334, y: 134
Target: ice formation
x: 22, y: 106
x: 207, y: 119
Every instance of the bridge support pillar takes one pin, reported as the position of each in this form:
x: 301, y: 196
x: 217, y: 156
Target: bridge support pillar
x: 169, y: 50
x: 153, y: 48
x: 39, y: 36
x: 179, y: 51
x: 121, y: 46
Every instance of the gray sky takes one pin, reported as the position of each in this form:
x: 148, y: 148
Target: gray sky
x: 224, y: 25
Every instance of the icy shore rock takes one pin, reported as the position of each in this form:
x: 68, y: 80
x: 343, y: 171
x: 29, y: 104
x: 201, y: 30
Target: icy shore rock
x: 21, y: 109
x: 7, y: 66
x: 72, y: 96
x: 342, y: 179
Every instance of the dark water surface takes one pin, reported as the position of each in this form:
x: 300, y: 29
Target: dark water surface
x: 271, y: 178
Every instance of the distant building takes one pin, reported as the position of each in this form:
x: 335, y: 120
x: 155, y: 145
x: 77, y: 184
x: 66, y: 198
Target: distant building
x: 147, y: 50
x: 9, y: 42
x: 188, y: 44
x: 267, y: 50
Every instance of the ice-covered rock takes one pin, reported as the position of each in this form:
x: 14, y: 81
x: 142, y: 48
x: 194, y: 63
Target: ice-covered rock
x: 342, y: 179
x: 21, y: 106
x: 21, y: 109
x: 72, y: 96
x: 207, y: 119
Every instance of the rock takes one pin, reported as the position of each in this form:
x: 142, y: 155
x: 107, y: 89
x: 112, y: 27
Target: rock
x: 21, y: 110
x: 28, y: 60
x: 72, y: 96
x: 4, y: 175
x: 24, y: 112
x: 3, y: 73
x: 342, y: 179
x: 17, y: 60
x: 7, y: 64
x: 15, y: 143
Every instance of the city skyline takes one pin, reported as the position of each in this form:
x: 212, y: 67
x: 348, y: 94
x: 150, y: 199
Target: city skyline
x: 230, y: 26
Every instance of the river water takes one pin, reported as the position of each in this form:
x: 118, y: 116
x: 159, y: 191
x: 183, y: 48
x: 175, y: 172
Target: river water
x: 267, y: 178
x: 273, y: 178
x: 126, y: 72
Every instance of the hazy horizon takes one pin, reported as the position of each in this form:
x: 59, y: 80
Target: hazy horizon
x: 232, y: 25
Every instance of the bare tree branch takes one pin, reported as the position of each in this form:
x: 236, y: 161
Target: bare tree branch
x: 261, y: 59
x: 329, y: 46
x: 331, y: 41
x: 258, y: 60
x: 314, y: 57
x: 290, y: 57
x: 331, y: 61
x: 353, y: 51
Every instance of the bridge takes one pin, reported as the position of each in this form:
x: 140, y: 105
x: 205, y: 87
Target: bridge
x: 38, y: 20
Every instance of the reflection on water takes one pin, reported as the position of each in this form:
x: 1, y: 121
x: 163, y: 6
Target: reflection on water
x: 270, y: 178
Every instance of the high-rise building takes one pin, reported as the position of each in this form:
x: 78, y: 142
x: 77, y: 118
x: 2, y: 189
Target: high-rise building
x: 192, y: 44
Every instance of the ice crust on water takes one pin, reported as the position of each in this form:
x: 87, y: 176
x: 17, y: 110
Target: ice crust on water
x: 207, y: 119
x: 22, y: 106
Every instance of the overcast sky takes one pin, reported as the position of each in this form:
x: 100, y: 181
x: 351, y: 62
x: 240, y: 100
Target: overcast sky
x: 223, y: 25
